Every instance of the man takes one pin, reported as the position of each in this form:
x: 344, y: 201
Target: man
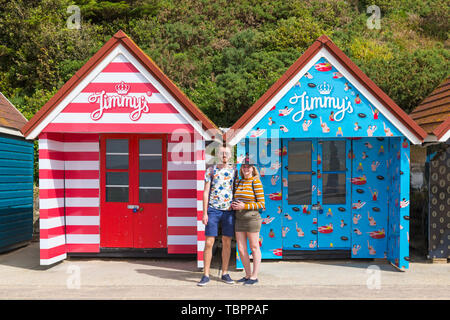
x: 217, y: 198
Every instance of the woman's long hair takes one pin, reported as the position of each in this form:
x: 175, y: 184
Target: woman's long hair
x: 255, y: 172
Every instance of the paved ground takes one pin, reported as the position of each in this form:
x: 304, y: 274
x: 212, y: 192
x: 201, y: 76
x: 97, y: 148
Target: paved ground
x: 21, y: 277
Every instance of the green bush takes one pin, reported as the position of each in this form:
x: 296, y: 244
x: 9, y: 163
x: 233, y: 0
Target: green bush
x: 224, y: 54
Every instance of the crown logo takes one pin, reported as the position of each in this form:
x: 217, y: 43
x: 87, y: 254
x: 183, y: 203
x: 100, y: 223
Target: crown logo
x: 324, y: 88
x: 122, y: 88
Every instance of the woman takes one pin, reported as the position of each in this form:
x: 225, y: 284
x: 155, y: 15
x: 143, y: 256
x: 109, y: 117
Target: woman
x: 248, y: 199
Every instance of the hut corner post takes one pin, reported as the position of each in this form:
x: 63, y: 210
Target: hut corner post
x: 398, y: 236
x: 51, y: 207
x: 404, y: 203
x: 200, y: 163
x: 241, y: 151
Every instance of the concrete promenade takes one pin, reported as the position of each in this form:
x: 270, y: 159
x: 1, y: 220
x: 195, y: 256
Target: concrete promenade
x: 21, y: 277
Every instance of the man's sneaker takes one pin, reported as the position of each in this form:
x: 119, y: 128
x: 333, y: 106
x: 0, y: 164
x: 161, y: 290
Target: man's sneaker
x: 242, y: 280
x: 204, y: 281
x: 250, y: 281
x: 227, y: 279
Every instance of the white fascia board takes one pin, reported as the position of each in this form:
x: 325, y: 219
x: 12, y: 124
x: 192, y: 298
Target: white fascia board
x: 445, y: 137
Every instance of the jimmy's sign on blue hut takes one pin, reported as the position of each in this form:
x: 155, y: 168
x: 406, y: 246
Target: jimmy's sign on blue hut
x: 333, y: 154
x: 324, y: 103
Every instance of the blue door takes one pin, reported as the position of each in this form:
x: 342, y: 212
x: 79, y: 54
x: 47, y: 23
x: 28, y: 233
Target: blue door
x: 334, y: 194
x: 299, y: 225
x: 316, y: 194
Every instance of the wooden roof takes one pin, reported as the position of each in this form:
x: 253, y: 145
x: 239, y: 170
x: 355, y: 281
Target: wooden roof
x: 10, y: 117
x: 120, y: 38
x: 442, y: 130
x: 325, y: 42
x: 434, y: 110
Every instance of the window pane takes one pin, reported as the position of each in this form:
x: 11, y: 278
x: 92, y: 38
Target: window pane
x: 333, y: 188
x: 114, y: 161
x: 150, y: 146
x: 150, y: 187
x: 117, y: 146
x: 299, y: 189
x: 150, y: 179
x: 117, y: 194
x: 117, y: 186
x: 117, y: 178
x: 333, y: 155
x: 150, y: 195
x: 299, y: 156
x: 150, y: 157
x: 150, y: 162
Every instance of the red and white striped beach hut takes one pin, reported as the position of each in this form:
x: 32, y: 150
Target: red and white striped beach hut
x: 121, y: 161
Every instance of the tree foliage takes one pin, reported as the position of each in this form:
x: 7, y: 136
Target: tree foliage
x: 224, y: 54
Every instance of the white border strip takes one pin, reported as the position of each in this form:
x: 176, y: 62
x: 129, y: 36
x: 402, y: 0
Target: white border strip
x: 120, y: 118
x: 83, y: 238
x: 181, y: 240
x: 82, y: 220
x: 181, y: 221
x: 11, y: 132
x: 445, y: 137
x: 46, y: 262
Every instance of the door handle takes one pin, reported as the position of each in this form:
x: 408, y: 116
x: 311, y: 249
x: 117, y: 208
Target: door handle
x: 133, y: 207
x: 318, y: 207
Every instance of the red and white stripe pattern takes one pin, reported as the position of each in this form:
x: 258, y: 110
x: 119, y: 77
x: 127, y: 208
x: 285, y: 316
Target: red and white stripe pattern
x: 70, y: 206
x: 201, y: 168
x: 182, y: 192
x: 76, y: 116
x: 69, y: 194
x: 51, y: 199
x: 82, y: 192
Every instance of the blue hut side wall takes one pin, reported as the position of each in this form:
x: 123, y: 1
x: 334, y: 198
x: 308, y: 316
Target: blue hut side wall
x: 370, y: 159
x: 16, y: 191
x: 268, y: 162
x: 398, y: 242
x: 266, y: 154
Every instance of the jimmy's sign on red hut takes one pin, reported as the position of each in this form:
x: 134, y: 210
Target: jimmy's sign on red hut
x: 137, y: 104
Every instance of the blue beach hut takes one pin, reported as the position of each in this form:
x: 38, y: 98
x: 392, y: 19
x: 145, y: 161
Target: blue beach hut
x: 332, y: 150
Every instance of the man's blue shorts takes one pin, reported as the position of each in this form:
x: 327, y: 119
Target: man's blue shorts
x: 225, y: 217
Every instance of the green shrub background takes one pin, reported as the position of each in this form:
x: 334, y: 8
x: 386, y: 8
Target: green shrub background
x: 224, y: 54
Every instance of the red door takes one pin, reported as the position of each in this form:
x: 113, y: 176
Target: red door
x: 133, y: 191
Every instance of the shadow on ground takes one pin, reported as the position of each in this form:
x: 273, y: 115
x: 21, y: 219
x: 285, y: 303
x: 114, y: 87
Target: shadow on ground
x: 26, y: 257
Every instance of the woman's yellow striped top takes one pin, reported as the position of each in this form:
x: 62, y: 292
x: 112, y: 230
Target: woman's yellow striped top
x: 252, y: 196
